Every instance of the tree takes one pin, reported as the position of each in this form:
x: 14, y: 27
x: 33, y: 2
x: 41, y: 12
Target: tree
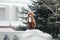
x: 23, y: 18
x: 47, y: 18
x: 46, y: 15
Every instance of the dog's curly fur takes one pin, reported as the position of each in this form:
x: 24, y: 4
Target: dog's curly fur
x: 31, y: 24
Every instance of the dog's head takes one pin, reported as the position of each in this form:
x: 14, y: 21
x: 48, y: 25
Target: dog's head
x: 30, y: 14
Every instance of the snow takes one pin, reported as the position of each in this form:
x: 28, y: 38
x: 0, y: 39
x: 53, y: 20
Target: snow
x: 6, y: 30
x: 35, y: 34
x: 11, y: 23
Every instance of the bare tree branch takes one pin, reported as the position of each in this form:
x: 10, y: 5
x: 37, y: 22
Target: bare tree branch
x: 49, y: 8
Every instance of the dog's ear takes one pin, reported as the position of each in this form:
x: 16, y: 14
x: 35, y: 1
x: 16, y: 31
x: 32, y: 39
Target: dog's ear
x: 33, y: 14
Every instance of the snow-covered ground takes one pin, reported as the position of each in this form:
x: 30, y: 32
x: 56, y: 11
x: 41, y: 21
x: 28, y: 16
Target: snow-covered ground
x: 11, y: 24
x: 6, y: 30
x: 34, y: 34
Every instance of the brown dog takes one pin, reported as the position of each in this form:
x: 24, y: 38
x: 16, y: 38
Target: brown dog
x: 31, y: 20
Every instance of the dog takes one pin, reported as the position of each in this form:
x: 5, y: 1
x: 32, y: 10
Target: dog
x: 31, y: 20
